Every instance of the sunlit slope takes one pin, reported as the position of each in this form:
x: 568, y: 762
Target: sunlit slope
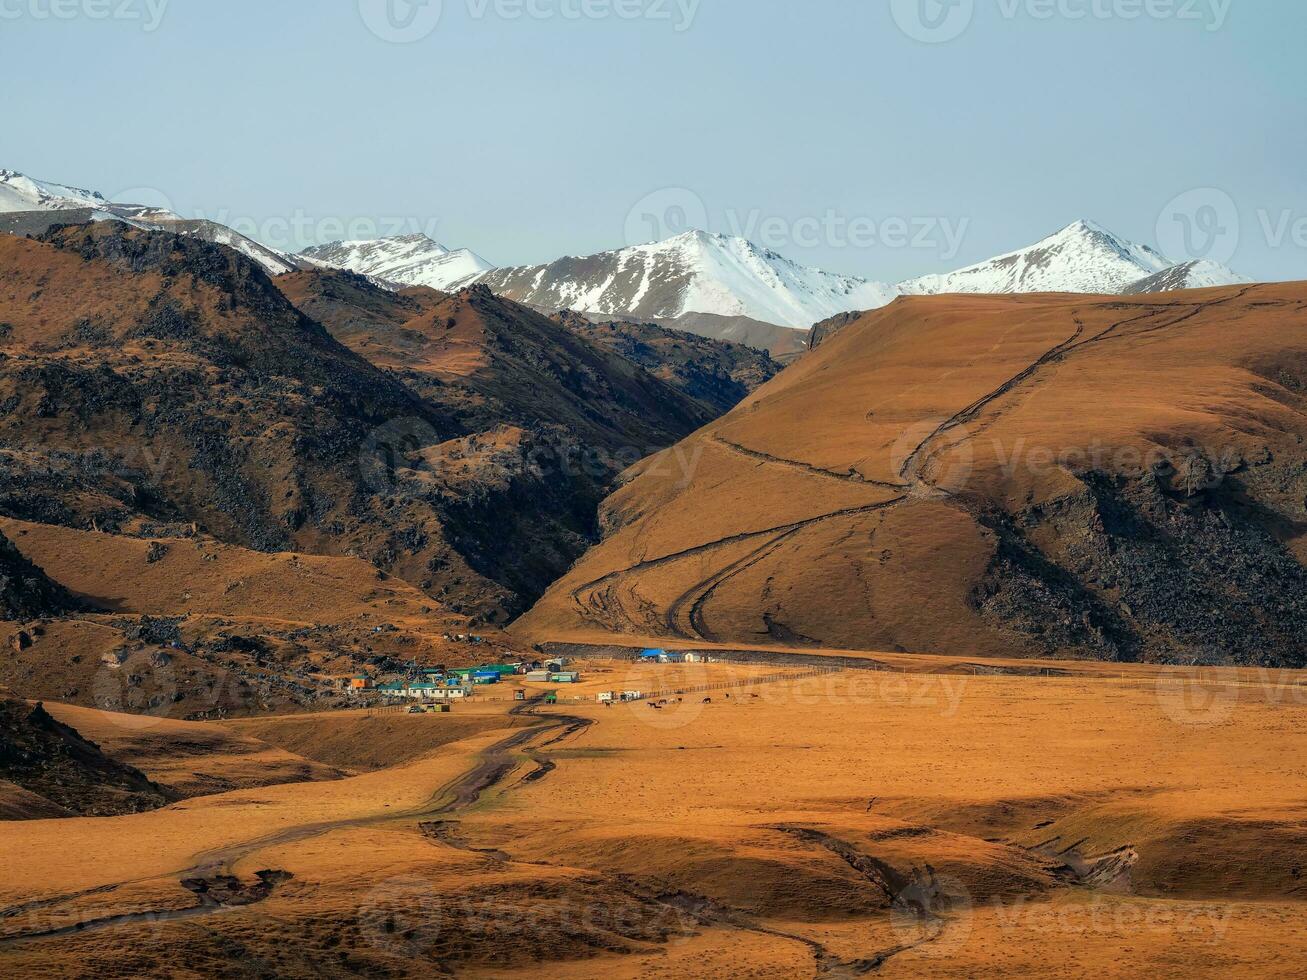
x: 1114, y: 478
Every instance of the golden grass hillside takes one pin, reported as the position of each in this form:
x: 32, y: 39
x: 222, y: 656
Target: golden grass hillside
x: 851, y: 824
x: 1077, y: 476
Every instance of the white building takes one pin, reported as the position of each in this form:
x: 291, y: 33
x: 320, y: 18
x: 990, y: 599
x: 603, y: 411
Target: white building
x: 436, y: 692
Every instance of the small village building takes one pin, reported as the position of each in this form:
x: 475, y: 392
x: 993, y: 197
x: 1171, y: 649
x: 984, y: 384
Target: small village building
x: 437, y: 692
x: 608, y: 697
x: 565, y: 677
x: 662, y: 657
x: 427, y: 692
x: 499, y: 670
x: 360, y: 683
x: 538, y: 677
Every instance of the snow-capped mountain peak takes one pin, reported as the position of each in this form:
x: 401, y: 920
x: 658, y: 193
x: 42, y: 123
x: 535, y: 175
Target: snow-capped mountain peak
x: 694, y: 272
x: 1084, y: 257
x: 18, y: 192
x: 406, y: 260
x: 698, y: 272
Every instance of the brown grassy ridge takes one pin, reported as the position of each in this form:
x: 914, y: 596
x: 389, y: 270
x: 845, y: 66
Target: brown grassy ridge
x: 1039, y: 475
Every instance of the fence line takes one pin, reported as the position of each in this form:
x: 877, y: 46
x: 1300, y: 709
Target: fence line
x: 743, y: 683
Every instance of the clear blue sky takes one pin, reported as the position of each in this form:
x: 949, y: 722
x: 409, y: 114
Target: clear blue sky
x: 527, y: 138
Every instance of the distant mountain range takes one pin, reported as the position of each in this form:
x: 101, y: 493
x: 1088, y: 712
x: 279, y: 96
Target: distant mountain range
x: 701, y: 273
x: 696, y: 281
x: 409, y: 260
x: 30, y: 207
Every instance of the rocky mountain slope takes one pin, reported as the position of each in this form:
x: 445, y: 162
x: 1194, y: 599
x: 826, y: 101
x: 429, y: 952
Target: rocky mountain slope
x: 1118, y: 478
x: 54, y: 763
x: 715, y: 372
x: 540, y: 420
x: 784, y: 344
x: 154, y: 384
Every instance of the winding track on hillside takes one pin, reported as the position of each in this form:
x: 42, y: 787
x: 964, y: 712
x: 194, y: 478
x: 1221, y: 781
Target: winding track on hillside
x: 493, y: 765
x: 914, y: 484
x: 853, y: 476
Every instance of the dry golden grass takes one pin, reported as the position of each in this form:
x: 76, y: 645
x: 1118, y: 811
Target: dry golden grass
x: 191, y: 758
x: 201, y: 576
x: 753, y: 836
x: 364, y: 741
x: 852, y: 501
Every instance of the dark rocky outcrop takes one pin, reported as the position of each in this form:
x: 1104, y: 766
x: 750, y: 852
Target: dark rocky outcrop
x: 53, y: 761
x: 828, y: 328
x: 158, y: 385
x: 1179, y: 566
x: 718, y: 373
x: 25, y: 591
